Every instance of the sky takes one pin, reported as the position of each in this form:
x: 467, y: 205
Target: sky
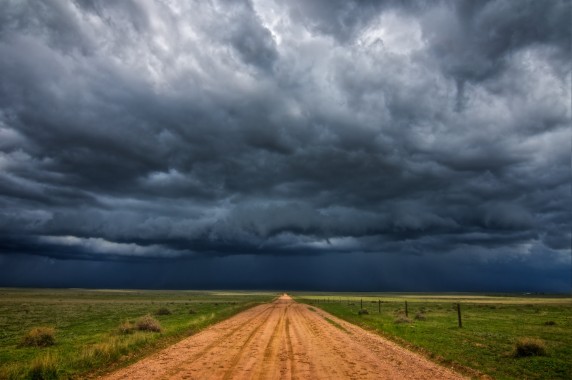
x: 266, y: 144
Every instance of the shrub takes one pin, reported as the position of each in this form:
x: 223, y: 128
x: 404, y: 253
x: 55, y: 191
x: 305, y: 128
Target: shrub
x: 148, y: 323
x: 163, y: 311
x: 362, y: 312
x: 39, y: 337
x: 402, y: 319
x: 549, y: 323
x: 529, y: 347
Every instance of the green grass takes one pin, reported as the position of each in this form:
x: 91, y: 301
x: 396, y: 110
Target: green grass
x: 492, y: 325
x: 87, y: 326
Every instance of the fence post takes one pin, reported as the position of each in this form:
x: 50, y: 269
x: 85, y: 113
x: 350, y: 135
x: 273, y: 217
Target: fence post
x: 361, y: 303
x: 406, y: 310
x: 459, y: 315
x: 379, y: 306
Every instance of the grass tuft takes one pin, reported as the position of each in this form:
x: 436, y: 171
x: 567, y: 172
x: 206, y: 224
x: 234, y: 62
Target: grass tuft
x: 39, y: 337
x: 44, y: 368
x: 148, y: 323
x: 549, y: 323
x: 420, y: 317
x: 363, y: 312
x: 126, y: 327
x: 529, y: 347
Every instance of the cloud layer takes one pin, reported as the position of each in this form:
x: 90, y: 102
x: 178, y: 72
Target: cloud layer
x: 143, y: 130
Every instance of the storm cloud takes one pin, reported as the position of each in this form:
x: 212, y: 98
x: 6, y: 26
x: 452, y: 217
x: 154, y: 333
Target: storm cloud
x: 191, y: 134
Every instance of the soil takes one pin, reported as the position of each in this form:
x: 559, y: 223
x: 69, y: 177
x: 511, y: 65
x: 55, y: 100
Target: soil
x: 284, y: 340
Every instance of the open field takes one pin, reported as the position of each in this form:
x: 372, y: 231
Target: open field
x: 292, y: 338
x: 491, y: 327
x: 86, y: 323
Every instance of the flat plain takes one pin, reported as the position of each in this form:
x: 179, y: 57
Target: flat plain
x: 96, y: 334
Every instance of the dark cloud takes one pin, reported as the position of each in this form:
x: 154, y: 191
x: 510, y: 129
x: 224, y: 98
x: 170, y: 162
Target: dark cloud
x: 414, y: 134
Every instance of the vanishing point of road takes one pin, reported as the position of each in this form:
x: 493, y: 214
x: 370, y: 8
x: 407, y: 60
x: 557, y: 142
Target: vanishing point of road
x: 284, y: 340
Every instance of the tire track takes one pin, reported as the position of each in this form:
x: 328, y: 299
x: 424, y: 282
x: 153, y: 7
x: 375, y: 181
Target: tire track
x: 234, y: 362
x: 320, y: 353
x: 290, y: 350
x: 271, y: 350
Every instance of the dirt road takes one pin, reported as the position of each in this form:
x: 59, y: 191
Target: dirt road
x: 284, y: 340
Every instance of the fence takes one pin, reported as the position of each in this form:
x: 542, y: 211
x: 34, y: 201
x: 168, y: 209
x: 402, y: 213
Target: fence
x: 379, y: 302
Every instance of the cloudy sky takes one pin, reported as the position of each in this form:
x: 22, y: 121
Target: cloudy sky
x: 336, y: 145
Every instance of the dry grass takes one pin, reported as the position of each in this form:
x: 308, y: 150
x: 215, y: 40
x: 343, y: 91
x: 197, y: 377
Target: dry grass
x: 39, y: 337
x: 44, y: 368
x: 148, y: 323
x: 126, y: 328
x: 111, y: 350
x: 529, y: 347
x: 101, y: 352
x: 420, y: 317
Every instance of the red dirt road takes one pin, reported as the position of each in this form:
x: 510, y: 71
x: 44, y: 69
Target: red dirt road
x: 284, y: 340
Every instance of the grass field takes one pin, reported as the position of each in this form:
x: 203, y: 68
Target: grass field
x: 486, y: 342
x: 86, y: 324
